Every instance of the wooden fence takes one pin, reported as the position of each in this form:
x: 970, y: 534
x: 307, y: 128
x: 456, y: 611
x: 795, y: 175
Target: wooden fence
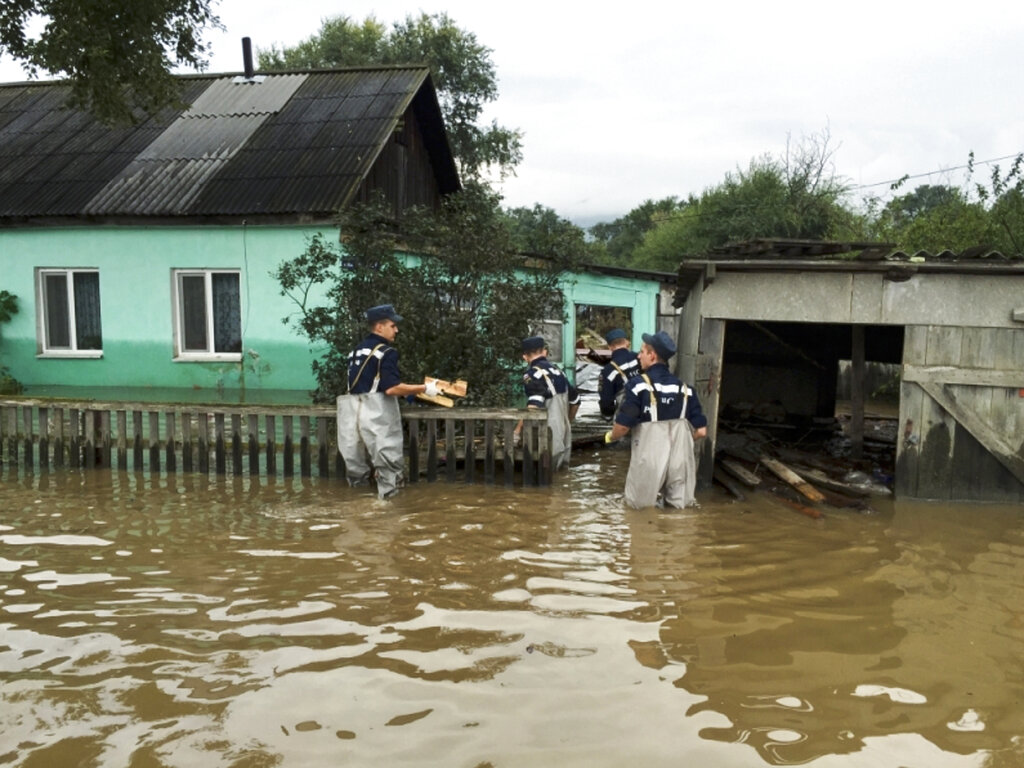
x: 458, y: 444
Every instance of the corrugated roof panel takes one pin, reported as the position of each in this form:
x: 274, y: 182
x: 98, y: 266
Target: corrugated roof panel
x: 297, y: 143
x: 352, y: 108
x: 226, y: 97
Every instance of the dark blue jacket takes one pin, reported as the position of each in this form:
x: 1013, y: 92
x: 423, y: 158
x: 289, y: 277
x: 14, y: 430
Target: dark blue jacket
x: 669, y: 391
x: 614, y: 375
x: 373, y: 356
x: 535, y: 384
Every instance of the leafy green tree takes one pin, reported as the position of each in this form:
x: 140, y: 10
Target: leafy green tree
x: 619, y: 239
x: 540, y: 230
x: 797, y: 195
x: 8, y: 309
x: 117, y: 54
x: 933, y: 218
x: 467, y: 297
x: 461, y: 67
x: 1004, y: 198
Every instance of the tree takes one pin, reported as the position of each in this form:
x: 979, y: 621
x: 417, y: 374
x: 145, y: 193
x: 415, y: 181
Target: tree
x: 619, y: 239
x: 797, y: 195
x: 117, y: 54
x: 540, y: 230
x: 461, y: 67
x: 467, y: 298
x: 1005, y: 200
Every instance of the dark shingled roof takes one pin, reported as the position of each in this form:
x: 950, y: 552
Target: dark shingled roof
x: 295, y: 144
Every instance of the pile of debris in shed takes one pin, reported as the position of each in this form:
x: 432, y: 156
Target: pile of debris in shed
x: 808, y: 463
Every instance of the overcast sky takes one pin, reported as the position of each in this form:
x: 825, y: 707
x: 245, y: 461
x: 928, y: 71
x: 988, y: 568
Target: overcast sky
x: 621, y: 102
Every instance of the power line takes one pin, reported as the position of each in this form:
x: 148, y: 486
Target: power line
x: 908, y: 177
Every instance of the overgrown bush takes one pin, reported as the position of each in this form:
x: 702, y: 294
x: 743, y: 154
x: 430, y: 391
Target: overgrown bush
x: 8, y: 308
x: 453, y: 274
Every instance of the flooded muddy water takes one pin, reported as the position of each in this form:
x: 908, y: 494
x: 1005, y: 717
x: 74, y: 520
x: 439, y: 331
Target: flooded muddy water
x: 192, y: 621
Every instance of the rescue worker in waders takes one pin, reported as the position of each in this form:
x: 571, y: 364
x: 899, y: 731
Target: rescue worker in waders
x: 662, y: 415
x: 621, y: 368
x: 547, y: 387
x: 369, y: 422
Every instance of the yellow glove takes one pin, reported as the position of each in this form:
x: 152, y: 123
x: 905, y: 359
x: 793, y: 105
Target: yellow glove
x: 608, y: 437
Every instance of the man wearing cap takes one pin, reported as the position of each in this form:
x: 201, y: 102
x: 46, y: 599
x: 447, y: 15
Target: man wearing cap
x: 621, y: 368
x: 369, y: 422
x: 663, y: 416
x: 547, y: 387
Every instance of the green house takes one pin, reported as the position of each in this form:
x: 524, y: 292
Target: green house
x: 141, y: 255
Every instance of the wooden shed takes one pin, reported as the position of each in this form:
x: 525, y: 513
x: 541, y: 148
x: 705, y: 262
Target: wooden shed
x: 771, y: 319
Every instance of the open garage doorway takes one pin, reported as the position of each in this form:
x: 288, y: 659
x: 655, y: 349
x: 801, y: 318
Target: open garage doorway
x: 789, y: 385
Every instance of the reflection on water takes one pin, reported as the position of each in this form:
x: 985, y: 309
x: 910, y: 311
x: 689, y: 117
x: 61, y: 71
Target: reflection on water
x: 222, y: 622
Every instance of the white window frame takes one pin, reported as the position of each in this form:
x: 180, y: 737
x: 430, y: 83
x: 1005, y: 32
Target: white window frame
x: 43, y: 328
x: 180, y: 353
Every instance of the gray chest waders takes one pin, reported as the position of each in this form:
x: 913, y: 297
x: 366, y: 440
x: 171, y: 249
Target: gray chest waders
x: 662, y: 461
x: 370, y: 436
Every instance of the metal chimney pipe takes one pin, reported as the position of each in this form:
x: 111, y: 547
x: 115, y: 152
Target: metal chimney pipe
x: 247, y: 58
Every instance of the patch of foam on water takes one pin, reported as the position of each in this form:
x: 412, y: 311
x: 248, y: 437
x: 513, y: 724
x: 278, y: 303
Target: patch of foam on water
x: 899, y: 695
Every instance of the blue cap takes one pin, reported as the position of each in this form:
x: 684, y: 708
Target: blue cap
x: 533, y: 343
x: 661, y: 343
x: 382, y: 312
x: 614, y: 335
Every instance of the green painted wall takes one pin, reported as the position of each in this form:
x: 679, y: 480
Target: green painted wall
x: 135, y: 265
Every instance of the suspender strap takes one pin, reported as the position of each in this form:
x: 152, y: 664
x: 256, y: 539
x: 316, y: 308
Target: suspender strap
x: 363, y: 367
x: 654, y: 400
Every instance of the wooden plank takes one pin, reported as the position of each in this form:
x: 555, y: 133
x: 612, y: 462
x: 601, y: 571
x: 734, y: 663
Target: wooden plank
x: 729, y: 484
x: 976, y: 348
x: 187, y: 463
x: 740, y: 472
x: 944, y: 344
x: 915, y: 345
x: 252, y: 428
x: 508, y: 428
x: 857, y: 392
x: 545, y: 461
x: 431, y: 450
x: 137, y: 441
x: 414, y: 451
x: 58, y: 438
x: 289, y: 448
x: 450, y: 459
x: 203, y: 446
x: 121, y: 420
x: 305, y: 460
x: 3, y: 431
x: 171, y: 443
x: 44, y: 438
x: 154, y: 441
x: 26, y: 417
x: 12, y: 435
x: 105, y: 439
x: 323, y: 457
x: 967, y: 417
x: 530, y: 439
x: 489, y: 451
x: 219, y: 447
x: 709, y: 364
x: 937, y: 430
x: 784, y: 473
x: 271, y: 423
x: 978, y: 377
x: 469, y: 454
x: 236, y: 444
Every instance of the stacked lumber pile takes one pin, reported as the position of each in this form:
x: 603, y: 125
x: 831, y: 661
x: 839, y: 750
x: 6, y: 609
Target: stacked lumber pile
x: 808, y: 477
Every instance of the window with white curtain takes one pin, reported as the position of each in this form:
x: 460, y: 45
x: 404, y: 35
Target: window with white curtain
x: 68, y: 312
x: 207, y: 314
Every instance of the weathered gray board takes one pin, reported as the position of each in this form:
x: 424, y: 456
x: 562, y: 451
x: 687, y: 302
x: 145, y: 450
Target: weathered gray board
x: 962, y: 414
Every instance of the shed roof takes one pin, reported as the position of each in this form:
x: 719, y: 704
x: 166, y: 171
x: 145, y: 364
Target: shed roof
x: 289, y: 144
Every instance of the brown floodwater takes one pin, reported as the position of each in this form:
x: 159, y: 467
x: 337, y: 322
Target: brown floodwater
x: 192, y: 621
